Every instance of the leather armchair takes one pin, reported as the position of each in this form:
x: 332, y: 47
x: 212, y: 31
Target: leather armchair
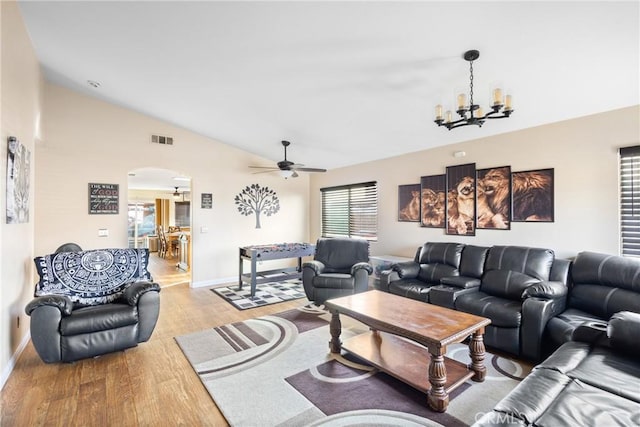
x: 340, y: 267
x: 71, y: 322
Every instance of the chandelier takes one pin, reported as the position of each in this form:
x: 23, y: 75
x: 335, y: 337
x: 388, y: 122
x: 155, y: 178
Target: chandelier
x: 472, y: 114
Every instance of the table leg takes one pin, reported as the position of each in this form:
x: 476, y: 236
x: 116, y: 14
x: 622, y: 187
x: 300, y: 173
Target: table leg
x: 254, y: 267
x: 240, y: 272
x: 476, y: 351
x: 299, y: 264
x: 437, y: 397
x: 335, y: 329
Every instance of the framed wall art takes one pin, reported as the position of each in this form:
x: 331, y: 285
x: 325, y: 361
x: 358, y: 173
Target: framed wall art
x: 432, y: 201
x: 18, y: 181
x: 493, y: 198
x: 409, y: 202
x: 461, y: 200
x: 103, y: 199
x: 532, y: 195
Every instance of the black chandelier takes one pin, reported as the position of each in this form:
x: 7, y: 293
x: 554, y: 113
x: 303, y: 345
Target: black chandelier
x: 472, y: 114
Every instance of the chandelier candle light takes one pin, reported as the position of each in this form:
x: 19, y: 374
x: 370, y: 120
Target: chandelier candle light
x: 472, y: 114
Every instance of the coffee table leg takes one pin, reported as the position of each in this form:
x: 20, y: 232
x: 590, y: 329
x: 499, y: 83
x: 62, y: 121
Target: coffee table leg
x: 437, y: 397
x: 335, y: 328
x: 476, y: 351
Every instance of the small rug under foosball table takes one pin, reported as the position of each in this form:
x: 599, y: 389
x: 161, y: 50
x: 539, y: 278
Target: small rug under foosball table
x: 266, y: 293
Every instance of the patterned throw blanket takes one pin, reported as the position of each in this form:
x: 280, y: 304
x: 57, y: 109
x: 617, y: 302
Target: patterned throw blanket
x: 91, y: 277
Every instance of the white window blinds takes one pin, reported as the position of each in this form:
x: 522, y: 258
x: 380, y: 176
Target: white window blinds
x: 630, y: 200
x: 350, y: 210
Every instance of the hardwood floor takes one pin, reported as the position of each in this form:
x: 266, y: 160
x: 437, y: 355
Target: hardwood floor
x: 152, y: 384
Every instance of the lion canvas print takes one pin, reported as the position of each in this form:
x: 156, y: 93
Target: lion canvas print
x: 461, y: 200
x: 409, y: 202
x: 493, y: 198
x: 532, y: 194
x: 432, y: 201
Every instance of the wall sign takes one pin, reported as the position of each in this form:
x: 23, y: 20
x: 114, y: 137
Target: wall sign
x: 103, y: 198
x: 207, y: 200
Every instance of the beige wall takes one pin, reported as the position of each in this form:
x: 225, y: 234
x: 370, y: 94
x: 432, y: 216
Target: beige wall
x: 89, y: 140
x: 583, y: 153
x: 21, y: 99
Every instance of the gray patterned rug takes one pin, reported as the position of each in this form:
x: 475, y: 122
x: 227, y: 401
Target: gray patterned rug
x: 266, y: 293
x: 277, y: 371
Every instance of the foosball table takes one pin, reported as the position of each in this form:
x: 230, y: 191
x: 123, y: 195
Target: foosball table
x: 257, y: 253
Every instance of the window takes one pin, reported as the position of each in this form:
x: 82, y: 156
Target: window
x: 350, y: 211
x: 630, y: 200
x: 183, y: 214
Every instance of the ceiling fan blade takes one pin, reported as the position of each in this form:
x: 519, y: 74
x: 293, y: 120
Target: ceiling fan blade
x: 309, y: 169
x: 264, y: 167
x: 265, y: 171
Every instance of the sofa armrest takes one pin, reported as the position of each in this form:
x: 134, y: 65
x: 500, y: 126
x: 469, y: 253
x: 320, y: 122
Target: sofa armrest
x: 134, y: 291
x: 536, y: 313
x: 624, y: 332
x: 386, y: 277
x: 591, y: 333
x: 406, y: 270
x: 61, y: 302
x: 546, y: 290
x: 462, y: 282
x: 316, y: 267
x: 361, y: 266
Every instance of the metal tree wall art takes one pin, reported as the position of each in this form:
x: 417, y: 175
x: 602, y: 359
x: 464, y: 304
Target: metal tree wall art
x: 258, y: 200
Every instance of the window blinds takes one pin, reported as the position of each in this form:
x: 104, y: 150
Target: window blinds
x: 350, y: 210
x: 630, y: 200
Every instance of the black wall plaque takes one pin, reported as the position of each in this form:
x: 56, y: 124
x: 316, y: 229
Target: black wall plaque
x: 103, y: 198
x: 207, y: 201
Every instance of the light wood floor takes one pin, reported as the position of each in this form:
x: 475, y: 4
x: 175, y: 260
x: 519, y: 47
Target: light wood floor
x: 148, y: 385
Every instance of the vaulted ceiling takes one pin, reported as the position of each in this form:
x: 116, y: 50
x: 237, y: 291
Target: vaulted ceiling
x: 345, y: 82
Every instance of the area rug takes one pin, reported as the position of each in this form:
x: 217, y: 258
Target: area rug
x: 266, y: 293
x: 277, y: 371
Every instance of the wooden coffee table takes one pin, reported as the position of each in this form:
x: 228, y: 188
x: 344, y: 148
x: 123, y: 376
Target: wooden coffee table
x: 408, y: 340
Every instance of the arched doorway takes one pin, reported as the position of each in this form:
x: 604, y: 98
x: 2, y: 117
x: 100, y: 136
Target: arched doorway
x: 159, y: 218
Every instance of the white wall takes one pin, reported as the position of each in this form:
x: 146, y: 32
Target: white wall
x: 583, y: 153
x: 89, y: 140
x: 21, y: 99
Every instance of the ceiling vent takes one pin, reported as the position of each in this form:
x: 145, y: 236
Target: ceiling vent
x: 160, y: 139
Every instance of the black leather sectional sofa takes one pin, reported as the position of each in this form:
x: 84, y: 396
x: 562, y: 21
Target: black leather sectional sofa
x: 518, y: 288
x: 585, y: 312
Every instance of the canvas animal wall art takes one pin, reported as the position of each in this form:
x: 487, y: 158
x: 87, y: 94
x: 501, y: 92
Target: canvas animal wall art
x: 461, y: 199
x: 433, y: 201
x: 409, y: 202
x: 493, y: 193
x: 533, y: 195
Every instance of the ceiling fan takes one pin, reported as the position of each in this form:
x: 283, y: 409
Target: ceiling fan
x: 287, y: 168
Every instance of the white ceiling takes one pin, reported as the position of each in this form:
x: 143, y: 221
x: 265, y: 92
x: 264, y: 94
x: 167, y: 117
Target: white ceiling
x: 345, y: 82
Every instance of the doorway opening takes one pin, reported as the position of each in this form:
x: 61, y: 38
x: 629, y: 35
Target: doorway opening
x: 159, y: 218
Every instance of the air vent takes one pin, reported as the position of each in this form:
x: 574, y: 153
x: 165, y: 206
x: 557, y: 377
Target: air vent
x: 160, y: 139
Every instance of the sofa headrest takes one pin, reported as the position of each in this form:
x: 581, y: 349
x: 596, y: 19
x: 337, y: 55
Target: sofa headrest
x: 91, y: 277
x: 472, y: 261
x: 534, y: 262
x: 441, y: 253
x: 609, y: 270
x: 340, y: 253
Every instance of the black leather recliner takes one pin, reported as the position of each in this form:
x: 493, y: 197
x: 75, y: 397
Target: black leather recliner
x: 602, y: 286
x: 520, y: 290
x: 74, y: 317
x: 340, y: 268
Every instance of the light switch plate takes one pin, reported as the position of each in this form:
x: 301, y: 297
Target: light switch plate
x: 103, y: 232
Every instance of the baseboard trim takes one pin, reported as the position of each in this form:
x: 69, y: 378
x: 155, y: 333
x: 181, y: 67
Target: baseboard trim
x: 6, y: 372
x: 223, y: 281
